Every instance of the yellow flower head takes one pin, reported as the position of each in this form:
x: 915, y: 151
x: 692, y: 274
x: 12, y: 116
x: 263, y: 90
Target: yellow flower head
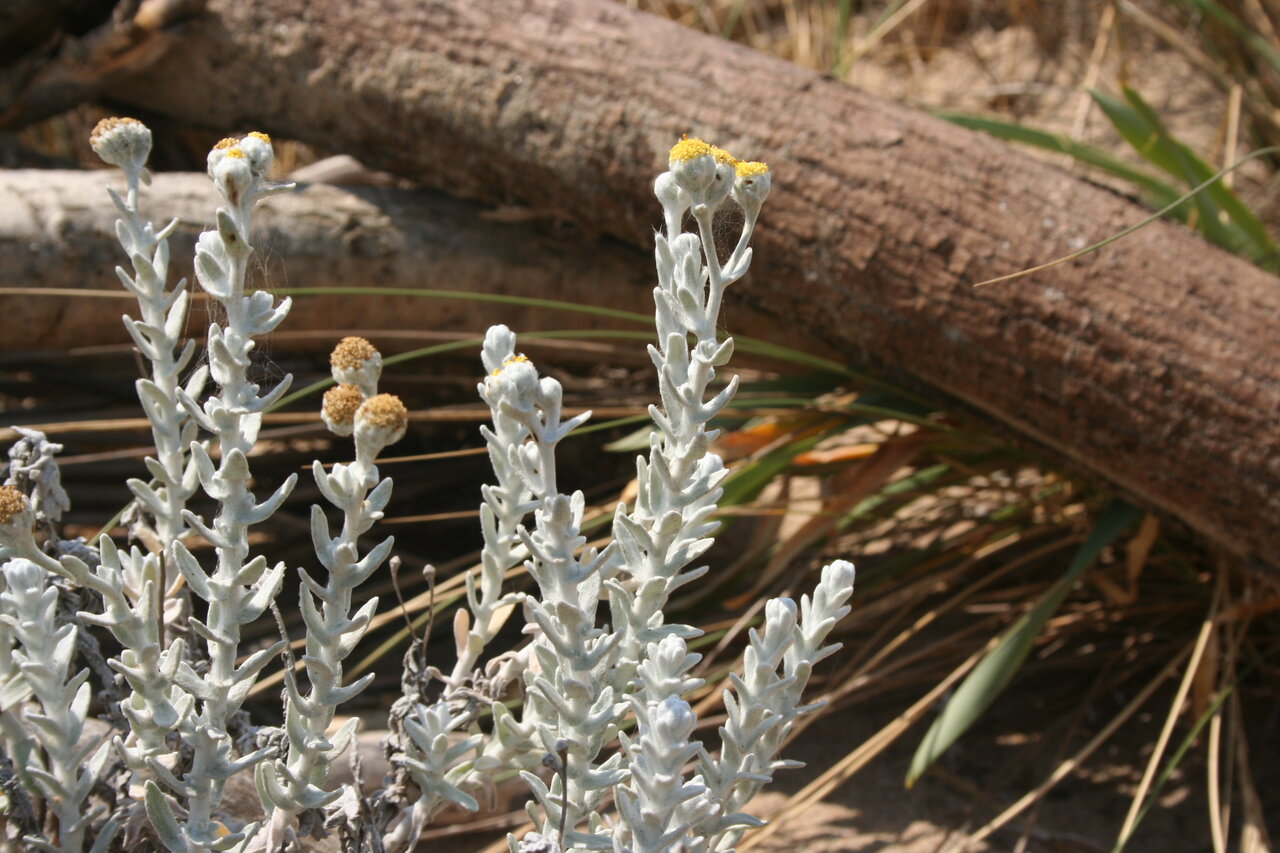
x: 690, y: 147
x: 510, y: 360
x: 384, y: 411
x: 339, y: 408
x: 723, y: 156
x: 123, y: 142
x: 751, y: 183
x: 228, y: 142
x: 380, y: 420
x: 260, y: 136
x: 352, y: 352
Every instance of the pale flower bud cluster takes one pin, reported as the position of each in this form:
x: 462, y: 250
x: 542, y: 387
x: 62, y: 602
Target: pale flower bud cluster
x: 122, y: 142
x: 298, y: 781
x: 354, y: 406
x: 338, y: 411
x: 515, y: 382
x: 380, y: 421
x: 234, y: 164
x: 355, y: 361
x: 702, y: 170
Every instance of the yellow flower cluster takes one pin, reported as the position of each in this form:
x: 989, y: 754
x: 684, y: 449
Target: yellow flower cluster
x: 690, y: 147
x: 513, y: 359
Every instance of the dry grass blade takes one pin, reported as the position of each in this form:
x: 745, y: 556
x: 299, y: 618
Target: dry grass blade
x: 925, y: 586
x: 1136, y: 556
x: 1069, y: 766
x: 1105, y: 27
x: 1253, y: 831
x: 882, y: 30
x: 1202, y: 643
x: 453, y: 414
x: 1253, y: 834
x: 1233, y: 130
x: 1234, y: 623
x: 860, y: 482
x: 1217, y: 806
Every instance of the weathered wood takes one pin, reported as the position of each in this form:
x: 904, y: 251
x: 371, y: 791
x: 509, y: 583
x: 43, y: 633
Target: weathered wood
x: 57, y: 54
x: 57, y: 232
x: 1155, y: 363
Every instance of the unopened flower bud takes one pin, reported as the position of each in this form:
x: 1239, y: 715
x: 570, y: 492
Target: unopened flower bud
x: 381, y: 420
x: 355, y: 361
x: 257, y: 148
x: 721, y: 186
x: 751, y: 185
x: 693, y: 165
x: 219, y: 151
x: 338, y: 410
x: 670, y: 194
x: 516, y: 381
x: 535, y: 842
x: 123, y: 142
x: 232, y: 175
x: 673, y: 720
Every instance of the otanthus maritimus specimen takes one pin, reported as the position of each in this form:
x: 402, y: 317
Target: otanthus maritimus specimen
x: 605, y: 675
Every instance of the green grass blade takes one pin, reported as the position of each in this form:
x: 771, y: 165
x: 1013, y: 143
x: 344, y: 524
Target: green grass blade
x: 765, y: 349
x: 742, y: 343
x: 1242, y: 31
x: 471, y: 296
x: 994, y: 672
x: 1236, y: 210
x: 1159, y: 192
x: 839, y: 65
x: 1141, y: 127
x: 731, y: 23
x: 1166, y: 211
x: 1150, y: 140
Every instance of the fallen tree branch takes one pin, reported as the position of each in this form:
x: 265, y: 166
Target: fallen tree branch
x: 57, y: 241
x: 1155, y: 363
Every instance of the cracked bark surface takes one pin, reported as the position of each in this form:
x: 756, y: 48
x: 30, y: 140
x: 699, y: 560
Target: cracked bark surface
x: 1153, y: 363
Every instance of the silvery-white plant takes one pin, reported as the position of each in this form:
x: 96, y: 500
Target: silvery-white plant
x: 591, y: 677
x: 158, y: 335
x: 43, y: 653
x: 297, y: 783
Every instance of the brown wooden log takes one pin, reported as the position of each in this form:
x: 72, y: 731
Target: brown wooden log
x: 55, y: 54
x: 1154, y: 363
x: 57, y: 233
